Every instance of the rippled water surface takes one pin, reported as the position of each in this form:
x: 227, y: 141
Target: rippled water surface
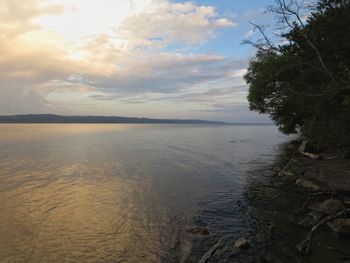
x: 124, y: 193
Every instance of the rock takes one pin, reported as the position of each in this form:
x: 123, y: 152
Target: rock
x: 287, y: 170
x: 197, y: 230
x: 307, y: 184
x: 335, y: 174
x: 286, y: 173
x: 312, y: 173
x: 341, y: 226
x: 330, y: 206
x: 292, y: 170
x: 315, y: 217
x: 241, y: 243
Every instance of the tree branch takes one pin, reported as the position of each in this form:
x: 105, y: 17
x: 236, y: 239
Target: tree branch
x: 268, y: 42
x: 286, y: 11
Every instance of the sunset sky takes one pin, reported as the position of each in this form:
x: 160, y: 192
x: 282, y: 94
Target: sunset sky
x: 144, y: 58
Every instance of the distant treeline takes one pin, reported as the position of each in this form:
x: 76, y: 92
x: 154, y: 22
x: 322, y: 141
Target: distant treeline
x: 50, y: 118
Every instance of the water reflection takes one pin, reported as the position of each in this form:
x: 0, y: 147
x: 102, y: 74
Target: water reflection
x: 124, y: 193
x: 15, y: 132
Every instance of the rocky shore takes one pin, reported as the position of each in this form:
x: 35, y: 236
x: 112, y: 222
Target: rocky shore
x: 325, y: 182
x: 295, y: 209
x: 325, y: 174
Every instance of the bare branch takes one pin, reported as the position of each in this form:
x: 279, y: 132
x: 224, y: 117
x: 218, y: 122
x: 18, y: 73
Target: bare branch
x: 268, y: 42
x: 293, y: 12
x: 286, y: 11
x: 306, y: 243
x: 255, y: 45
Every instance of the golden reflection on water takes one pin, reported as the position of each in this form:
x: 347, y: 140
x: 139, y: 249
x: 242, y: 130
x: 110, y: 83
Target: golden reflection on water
x: 17, y: 132
x: 114, y: 192
x: 79, y: 220
x: 66, y: 197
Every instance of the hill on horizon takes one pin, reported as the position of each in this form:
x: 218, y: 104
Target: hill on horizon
x: 52, y: 118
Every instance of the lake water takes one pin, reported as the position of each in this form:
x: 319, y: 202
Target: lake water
x: 128, y: 192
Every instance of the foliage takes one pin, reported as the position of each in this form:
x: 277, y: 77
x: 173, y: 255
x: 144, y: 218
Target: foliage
x: 304, y: 83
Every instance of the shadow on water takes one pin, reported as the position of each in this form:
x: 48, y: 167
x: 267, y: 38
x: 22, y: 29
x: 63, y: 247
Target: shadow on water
x: 269, y: 204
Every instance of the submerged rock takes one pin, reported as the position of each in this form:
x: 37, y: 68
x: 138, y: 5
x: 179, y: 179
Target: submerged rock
x: 241, y: 243
x: 286, y: 173
x: 197, y: 230
x: 302, y: 182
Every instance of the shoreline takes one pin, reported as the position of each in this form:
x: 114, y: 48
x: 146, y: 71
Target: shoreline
x: 282, y: 203
x: 326, y: 207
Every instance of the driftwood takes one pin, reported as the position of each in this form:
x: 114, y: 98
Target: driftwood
x: 306, y: 243
x: 210, y: 252
x: 310, y: 155
x: 331, y: 157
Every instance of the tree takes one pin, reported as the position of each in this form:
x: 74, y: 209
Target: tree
x: 302, y: 79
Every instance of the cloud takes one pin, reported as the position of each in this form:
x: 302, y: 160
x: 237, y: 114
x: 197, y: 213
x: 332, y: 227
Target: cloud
x: 21, y: 63
x: 167, y: 73
x: 129, y: 63
x: 16, y: 15
x: 249, y: 33
x: 173, y: 23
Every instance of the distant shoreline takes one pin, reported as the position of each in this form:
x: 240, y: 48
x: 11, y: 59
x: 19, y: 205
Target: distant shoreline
x: 75, y: 119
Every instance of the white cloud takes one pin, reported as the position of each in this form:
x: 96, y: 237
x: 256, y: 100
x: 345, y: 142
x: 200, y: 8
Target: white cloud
x: 16, y: 15
x: 249, y: 33
x: 170, y: 23
x: 59, y: 54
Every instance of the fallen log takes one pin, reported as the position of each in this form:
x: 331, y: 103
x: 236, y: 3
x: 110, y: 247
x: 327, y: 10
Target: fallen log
x: 311, y: 155
x: 302, y: 150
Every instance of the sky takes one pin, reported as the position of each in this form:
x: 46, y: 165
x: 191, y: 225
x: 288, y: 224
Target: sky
x: 142, y: 58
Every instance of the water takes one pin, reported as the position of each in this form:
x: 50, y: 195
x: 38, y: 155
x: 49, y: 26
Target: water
x: 125, y: 193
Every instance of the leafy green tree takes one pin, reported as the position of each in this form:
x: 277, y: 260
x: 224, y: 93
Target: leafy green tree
x: 303, y: 80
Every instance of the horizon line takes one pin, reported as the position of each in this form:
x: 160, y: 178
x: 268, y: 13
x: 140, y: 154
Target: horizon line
x: 11, y: 118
